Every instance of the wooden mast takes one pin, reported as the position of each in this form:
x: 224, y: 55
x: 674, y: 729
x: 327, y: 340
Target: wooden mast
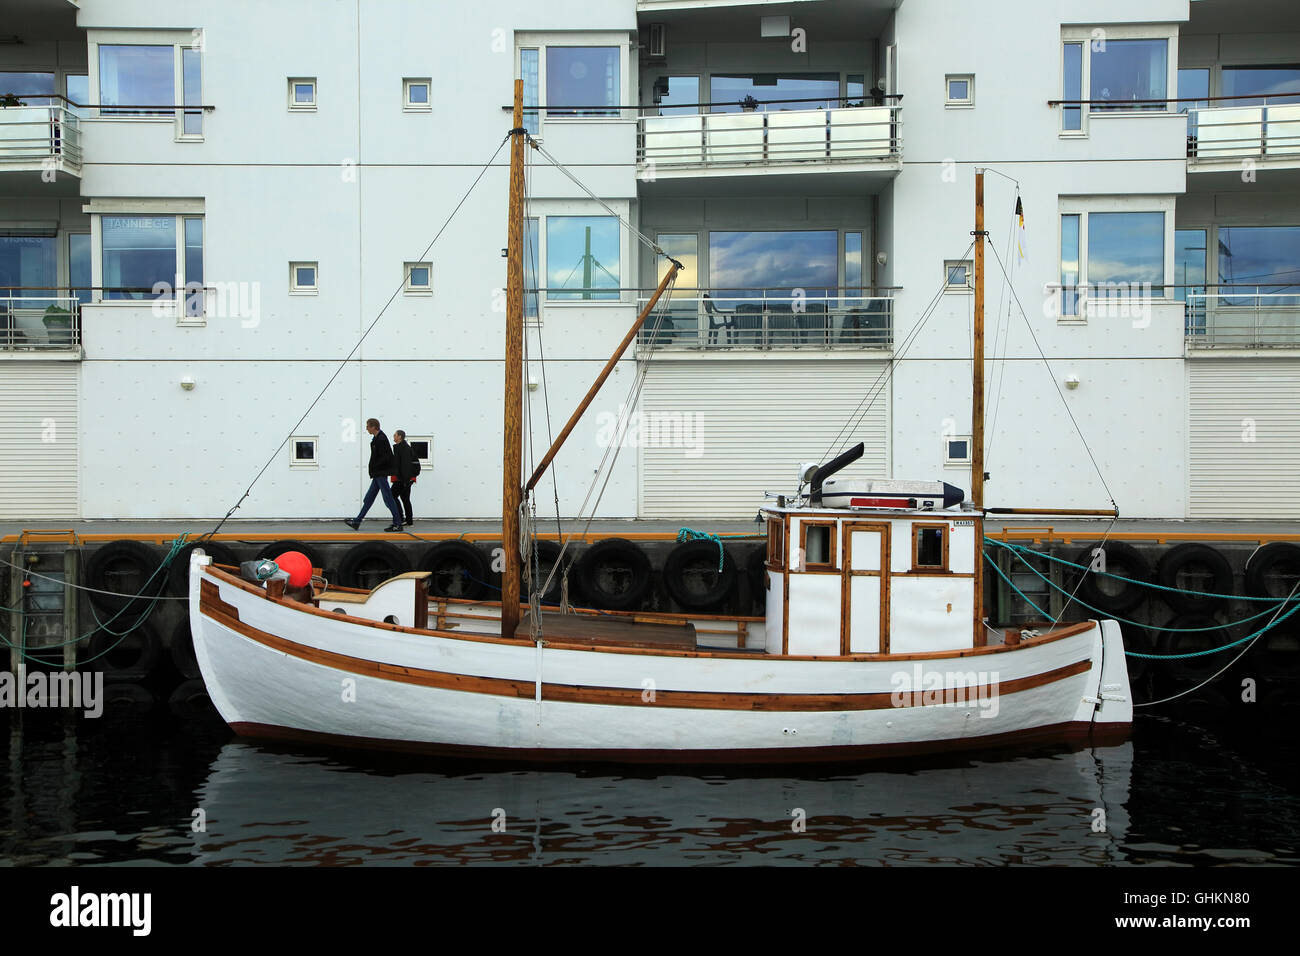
x: 977, y: 411
x: 512, y: 455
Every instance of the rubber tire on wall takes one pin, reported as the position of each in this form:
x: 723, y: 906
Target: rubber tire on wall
x: 102, y: 574
x: 614, y: 552
x: 1193, y: 668
x: 1265, y: 560
x: 277, y: 548
x: 456, y: 563
x: 1276, y: 652
x: 190, y: 701
x: 371, y: 552
x: 134, y: 667
x: 178, y: 575
x: 698, y: 552
x: 547, y: 553
x: 120, y: 698
x: 1131, y: 565
x: 1176, y: 559
x: 181, y: 649
x: 756, y: 570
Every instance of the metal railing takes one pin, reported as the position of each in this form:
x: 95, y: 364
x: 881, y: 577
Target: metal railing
x: 1265, y: 131
x: 720, y: 321
x: 769, y: 135
x: 31, y: 322
x: 1242, y: 318
x: 31, y: 134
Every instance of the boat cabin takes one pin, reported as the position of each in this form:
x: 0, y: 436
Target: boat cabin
x: 870, y: 580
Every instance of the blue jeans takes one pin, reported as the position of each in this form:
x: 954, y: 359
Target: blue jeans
x: 379, y: 486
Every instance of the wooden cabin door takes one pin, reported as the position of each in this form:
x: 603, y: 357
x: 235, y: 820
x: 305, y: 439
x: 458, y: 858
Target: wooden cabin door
x: 864, y: 621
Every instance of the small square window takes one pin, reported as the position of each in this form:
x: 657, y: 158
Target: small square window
x: 930, y: 548
x: 422, y: 448
x: 302, y: 93
x: 419, y: 277
x: 818, y: 545
x: 302, y: 452
x: 303, y: 277
x: 958, y: 275
x: 416, y: 94
x: 961, y: 90
x: 956, y: 450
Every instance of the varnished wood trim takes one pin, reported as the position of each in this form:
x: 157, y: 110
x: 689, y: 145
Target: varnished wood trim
x: 775, y: 544
x: 980, y: 638
x: 210, y: 600
x: 831, y: 547
x: 931, y: 573
x: 917, y: 527
x: 634, y: 696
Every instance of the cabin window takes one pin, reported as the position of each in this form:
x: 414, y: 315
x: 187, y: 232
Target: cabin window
x: 775, y: 543
x: 818, y: 545
x: 302, y: 451
x: 302, y: 93
x: 930, y: 547
x: 956, y: 451
x: 415, y: 95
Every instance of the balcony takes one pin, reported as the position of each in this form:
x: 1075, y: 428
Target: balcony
x: 1222, y: 138
x: 858, y: 144
x: 722, y: 320
x: 1240, y: 317
x: 40, y: 140
x: 34, y: 323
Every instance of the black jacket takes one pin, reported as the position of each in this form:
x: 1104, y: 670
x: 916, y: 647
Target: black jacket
x: 405, y: 465
x: 381, y: 456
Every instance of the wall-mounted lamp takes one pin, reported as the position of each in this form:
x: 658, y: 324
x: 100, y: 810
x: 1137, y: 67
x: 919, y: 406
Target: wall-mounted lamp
x: 187, y: 383
x: 532, y: 384
x: 1072, y: 381
x: 882, y: 257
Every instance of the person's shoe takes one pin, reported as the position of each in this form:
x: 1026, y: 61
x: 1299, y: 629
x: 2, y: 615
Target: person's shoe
x: 409, y: 523
x: 352, y: 523
x: 393, y: 527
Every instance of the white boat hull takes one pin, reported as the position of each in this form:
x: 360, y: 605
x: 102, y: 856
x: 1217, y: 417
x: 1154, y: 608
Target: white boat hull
x: 280, y: 670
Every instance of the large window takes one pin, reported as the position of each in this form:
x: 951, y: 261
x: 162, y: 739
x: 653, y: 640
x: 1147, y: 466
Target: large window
x: 582, y: 257
x: 677, y: 95
x: 583, y: 77
x: 727, y: 92
x: 28, y: 265
x: 152, y: 79
x: 531, y: 254
x: 1125, y: 71
x: 79, y: 265
x: 749, y: 266
x: 528, y: 73
x: 1280, y: 84
x: 28, y: 86
x: 1259, y: 260
x: 1107, y: 254
x: 148, y: 257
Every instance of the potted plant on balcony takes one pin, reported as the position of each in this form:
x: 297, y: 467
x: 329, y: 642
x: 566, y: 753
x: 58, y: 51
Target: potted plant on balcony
x: 10, y: 99
x: 749, y: 104
x: 58, y: 325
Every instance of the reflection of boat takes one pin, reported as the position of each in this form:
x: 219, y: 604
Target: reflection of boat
x: 264, y: 806
x: 874, y: 640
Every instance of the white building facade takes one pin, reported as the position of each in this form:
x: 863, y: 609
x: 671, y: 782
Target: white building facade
x: 205, y: 205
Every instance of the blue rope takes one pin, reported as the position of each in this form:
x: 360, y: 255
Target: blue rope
x: 690, y: 534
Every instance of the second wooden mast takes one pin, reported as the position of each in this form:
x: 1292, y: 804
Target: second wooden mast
x: 512, y: 455
x: 977, y: 411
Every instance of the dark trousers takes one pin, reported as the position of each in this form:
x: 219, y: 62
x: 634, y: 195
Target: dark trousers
x: 379, y: 486
x: 402, y: 492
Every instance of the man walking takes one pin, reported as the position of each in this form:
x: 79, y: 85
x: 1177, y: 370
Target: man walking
x: 381, y: 466
x: 406, y: 467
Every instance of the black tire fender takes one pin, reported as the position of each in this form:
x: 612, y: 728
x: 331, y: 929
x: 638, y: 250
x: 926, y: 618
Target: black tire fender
x: 277, y: 548
x: 124, y: 566
x: 1182, y: 642
x: 1177, y: 560
x: 129, y: 657
x: 190, y: 701
x: 1280, y: 556
x: 457, y: 569
x: 548, y: 552
x: 1121, y: 559
x: 178, y: 575
x: 614, y: 558
x: 698, y: 560
x: 371, y: 563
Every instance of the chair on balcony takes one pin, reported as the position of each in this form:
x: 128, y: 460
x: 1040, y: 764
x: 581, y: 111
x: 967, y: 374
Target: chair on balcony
x: 812, y: 325
x: 748, y: 324
x: 867, y: 327
x: 781, y: 325
x: 720, y: 323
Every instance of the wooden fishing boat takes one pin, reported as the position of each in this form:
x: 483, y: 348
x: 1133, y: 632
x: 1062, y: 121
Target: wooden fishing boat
x: 874, y: 641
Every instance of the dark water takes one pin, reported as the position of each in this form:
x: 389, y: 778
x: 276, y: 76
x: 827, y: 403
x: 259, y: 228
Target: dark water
x: 126, y: 791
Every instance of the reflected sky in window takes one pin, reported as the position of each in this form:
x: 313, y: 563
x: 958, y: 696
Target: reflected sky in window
x: 1255, y: 80
x: 582, y: 257
x: 26, y: 84
x: 139, y: 251
x: 1126, y: 247
x: 1189, y: 262
x: 1263, y: 258
x: 752, y: 264
x: 581, y: 76
x: 1128, y: 70
x: 730, y: 90
x: 136, y: 75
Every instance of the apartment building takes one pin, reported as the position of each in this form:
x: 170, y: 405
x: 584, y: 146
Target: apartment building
x: 205, y: 205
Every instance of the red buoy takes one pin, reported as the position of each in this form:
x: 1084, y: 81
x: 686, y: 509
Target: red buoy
x: 298, y: 567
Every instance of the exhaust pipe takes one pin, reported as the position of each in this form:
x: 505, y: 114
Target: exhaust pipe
x: 835, y: 464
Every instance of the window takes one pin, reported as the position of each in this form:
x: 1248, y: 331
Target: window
x: 28, y: 87
x: 740, y: 267
x: 151, y: 257
x: 854, y: 288
x: 302, y: 453
x: 302, y: 93
x: 28, y: 264
x: 419, y: 276
x: 1259, y: 260
x: 677, y: 95
x: 1278, y: 83
x: 726, y: 91
x: 956, y: 450
x: 192, y: 92
x: 303, y: 278
x: 1111, y: 254
x: 583, y: 77
x: 151, y: 79
x: 683, y: 304
x: 532, y: 253
x: 79, y: 266
x: 422, y: 449
x: 1072, y: 87
x: 958, y: 275
x: 415, y: 95
x: 528, y: 73
x: 929, y: 547
x: 818, y: 544
x: 961, y: 90
x: 1125, y: 71
x: 582, y: 257
x: 77, y: 90
x: 775, y: 543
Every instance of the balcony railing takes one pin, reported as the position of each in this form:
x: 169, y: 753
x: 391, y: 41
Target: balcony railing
x: 1241, y: 317
x: 31, y: 321
x: 32, y: 134
x: 1266, y: 131
x: 770, y: 135
x: 778, y: 321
